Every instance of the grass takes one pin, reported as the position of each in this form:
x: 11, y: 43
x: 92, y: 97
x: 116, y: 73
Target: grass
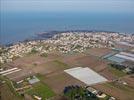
x: 116, y: 72
x: 40, y: 77
x: 33, y: 51
x: 60, y: 64
x: 42, y: 90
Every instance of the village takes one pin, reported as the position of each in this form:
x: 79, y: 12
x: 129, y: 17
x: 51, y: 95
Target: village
x: 65, y: 43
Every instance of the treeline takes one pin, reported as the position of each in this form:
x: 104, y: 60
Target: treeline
x: 118, y: 66
x: 127, y: 69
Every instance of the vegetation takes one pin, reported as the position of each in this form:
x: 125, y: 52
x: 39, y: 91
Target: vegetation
x: 7, y: 94
x: 118, y: 66
x: 20, y: 85
x: 78, y: 93
x: 42, y: 90
x: 118, y: 73
x: 127, y: 89
x: 33, y: 51
x: 44, y: 55
x: 3, y: 50
x: 15, y: 57
x: 59, y: 63
x: 40, y: 77
x: 131, y: 70
x: 77, y: 46
x: 8, y: 90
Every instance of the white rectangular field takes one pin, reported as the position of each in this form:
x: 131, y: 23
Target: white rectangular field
x: 125, y: 57
x: 86, y: 75
x: 127, y: 54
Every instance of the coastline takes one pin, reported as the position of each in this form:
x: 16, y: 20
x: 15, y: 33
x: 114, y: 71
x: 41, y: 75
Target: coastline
x: 65, y: 42
x: 50, y: 34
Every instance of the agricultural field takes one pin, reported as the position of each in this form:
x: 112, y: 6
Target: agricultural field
x: 6, y: 90
x: 98, y: 52
x: 42, y: 90
x: 7, y: 94
x: 49, y: 68
x: 129, y: 79
x: 116, y: 72
x: 58, y: 80
x: 120, y: 91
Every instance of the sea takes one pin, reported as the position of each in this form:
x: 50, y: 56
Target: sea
x: 19, y: 26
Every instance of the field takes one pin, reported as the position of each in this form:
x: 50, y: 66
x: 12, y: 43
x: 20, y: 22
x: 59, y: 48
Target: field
x: 98, y: 52
x: 92, y: 62
x: 86, y: 75
x: 57, y: 81
x: 42, y: 90
x: 34, y: 64
x: 50, y: 70
x: 129, y: 79
x: 7, y: 94
x: 117, y: 90
x: 116, y: 72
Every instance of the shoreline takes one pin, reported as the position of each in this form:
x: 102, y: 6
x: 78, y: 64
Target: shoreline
x: 66, y: 42
x: 50, y: 34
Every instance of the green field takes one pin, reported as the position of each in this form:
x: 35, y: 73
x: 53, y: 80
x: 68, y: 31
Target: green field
x: 42, y: 90
x: 60, y: 64
x: 116, y: 72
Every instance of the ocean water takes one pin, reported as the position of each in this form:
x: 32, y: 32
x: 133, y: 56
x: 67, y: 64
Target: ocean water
x: 18, y: 26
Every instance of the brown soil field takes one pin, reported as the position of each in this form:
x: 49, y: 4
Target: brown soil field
x: 98, y: 52
x: 118, y: 91
x: 58, y: 81
x: 6, y: 93
x: 107, y: 74
x: 35, y: 64
x: 33, y: 59
x: 92, y: 62
x: 71, y: 59
x: 129, y: 79
x: 51, y: 66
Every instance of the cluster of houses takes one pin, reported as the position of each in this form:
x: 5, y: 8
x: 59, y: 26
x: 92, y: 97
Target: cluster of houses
x: 99, y: 93
x: 64, y: 43
x: 24, y: 85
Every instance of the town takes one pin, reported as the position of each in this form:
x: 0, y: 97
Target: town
x: 65, y: 43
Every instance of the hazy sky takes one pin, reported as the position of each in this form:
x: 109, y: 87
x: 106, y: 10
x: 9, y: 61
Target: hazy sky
x: 68, y: 5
